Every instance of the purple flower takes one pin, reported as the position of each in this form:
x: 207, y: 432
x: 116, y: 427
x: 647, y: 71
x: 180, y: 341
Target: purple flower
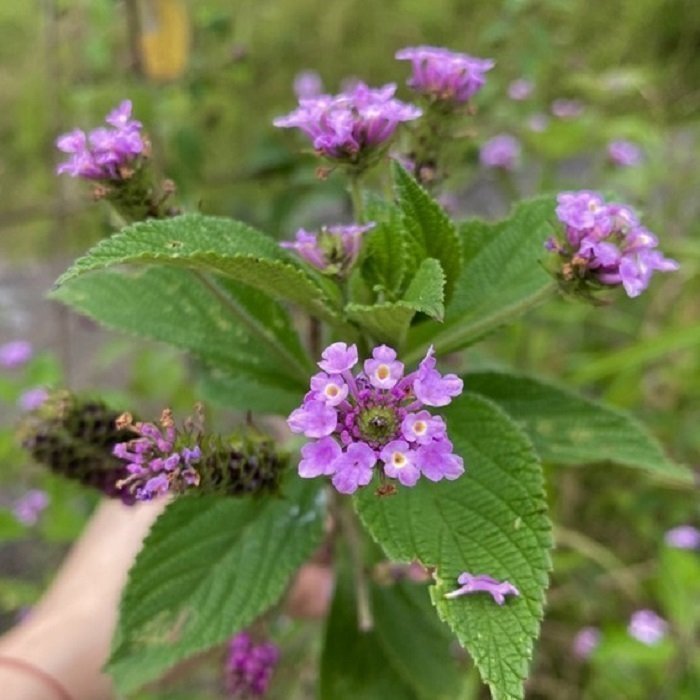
x: 15, y: 353
x: 605, y: 244
x: 567, y: 109
x: 333, y: 250
x: 538, y: 122
x: 105, y: 153
x: 444, y: 75
x: 481, y: 583
x: 30, y: 506
x: 352, y: 126
x: 307, y: 84
x: 377, y: 415
x: 624, y: 154
x: 249, y: 666
x: 156, y: 461
x: 683, y: 537
x: 31, y: 399
x: 520, y: 89
x: 585, y: 642
x: 502, y: 151
x: 647, y: 627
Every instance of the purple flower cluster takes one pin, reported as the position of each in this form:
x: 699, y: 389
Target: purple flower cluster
x: 334, y: 249
x: 30, y: 506
x: 155, y: 463
x: 15, y: 353
x: 586, y: 642
x: 502, y: 151
x: 605, y: 243
x: 481, y: 583
x: 249, y: 667
x: 624, y: 154
x: 683, y: 537
x: 105, y: 153
x: 350, y: 126
x: 647, y: 627
x: 443, y: 75
x: 376, y: 415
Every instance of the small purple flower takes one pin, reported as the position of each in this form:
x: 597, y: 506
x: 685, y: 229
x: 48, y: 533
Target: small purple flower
x: 377, y: 415
x: 157, y: 462
x: 249, y: 667
x: 520, y: 89
x: 502, y: 151
x: 353, y: 126
x: 333, y: 250
x: 538, y: 122
x: 605, y: 244
x: 444, y: 75
x: 586, y: 642
x: 15, y: 354
x: 567, y: 109
x: 624, y: 154
x: 30, y: 506
x: 481, y: 583
x: 31, y: 399
x: 105, y: 153
x: 683, y: 537
x: 307, y: 84
x: 647, y: 627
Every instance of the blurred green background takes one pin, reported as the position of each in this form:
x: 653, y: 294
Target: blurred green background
x: 207, y: 77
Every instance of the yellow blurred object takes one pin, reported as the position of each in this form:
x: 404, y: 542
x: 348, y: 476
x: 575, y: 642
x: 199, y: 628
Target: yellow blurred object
x: 165, y: 38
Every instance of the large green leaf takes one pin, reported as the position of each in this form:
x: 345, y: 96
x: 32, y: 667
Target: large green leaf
x: 208, y: 568
x: 501, y: 278
x: 237, y: 330
x: 215, y: 245
x: 493, y: 521
x: 570, y: 429
x: 430, y: 233
x: 406, y: 655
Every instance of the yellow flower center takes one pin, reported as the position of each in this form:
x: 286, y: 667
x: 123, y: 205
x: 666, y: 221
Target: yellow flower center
x: 399, y: 459
x: 420, y: 427
x: 382, y: 372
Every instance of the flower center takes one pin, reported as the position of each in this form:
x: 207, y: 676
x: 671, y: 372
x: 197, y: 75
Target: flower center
x: 332, y: 391
x: 377, y: 424
x: 398, y: 459
x: 420, y: 427
x: 383, y: 372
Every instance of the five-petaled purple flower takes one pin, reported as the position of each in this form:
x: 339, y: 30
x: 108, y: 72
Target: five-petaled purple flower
x: 376, y: 415
x: 352, y: 126
x: 443, y: 75
x: 647, y: 627
x: 106, y: 153
x: 585, y: 642
x: 624, y: 154
x: 333, y: 250
x: 481, y: 583
x: 30, y: 506
x: 683, y: 537
x: 156, y: 465
x: 606, y: 244
x: 15, y: 353
x: 502, y: 151
x: 249, y: 666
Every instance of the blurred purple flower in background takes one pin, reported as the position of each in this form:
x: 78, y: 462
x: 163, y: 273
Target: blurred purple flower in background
x: 520, y: 89
x: 502, y: 151
x: 249, y: 667
x: 538, y: 122
x: 444, y: 75
x: 683, y: 537
x: 15, y: 353
x: 585, y: 642
x: 647, y: 627
x: 30, y: 506
x: 481, y: 583
x: 566, y: 109
x: 307, y: 84
x: 31, y: 399
x: 624, y: 154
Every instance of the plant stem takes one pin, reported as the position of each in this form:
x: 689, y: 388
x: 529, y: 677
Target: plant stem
x: 358, y: 208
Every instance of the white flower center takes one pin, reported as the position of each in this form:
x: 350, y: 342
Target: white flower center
x: 331, y: 390
x: 398, y: 459
x: 382, y: 372
x: 420, y: 427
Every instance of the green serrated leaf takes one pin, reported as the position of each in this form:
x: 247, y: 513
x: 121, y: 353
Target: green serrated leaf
x: 207, y: 569
x: 406, y: 656
x: 430, y: 231
x: 570, y: 429
x: 215, y: 245
x: 490, y: 521
x: 426, y: 291
x: 501, y: 278
x: 231, y: 327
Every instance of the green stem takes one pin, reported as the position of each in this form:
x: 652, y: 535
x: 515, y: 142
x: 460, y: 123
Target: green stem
x: 358, y: 208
